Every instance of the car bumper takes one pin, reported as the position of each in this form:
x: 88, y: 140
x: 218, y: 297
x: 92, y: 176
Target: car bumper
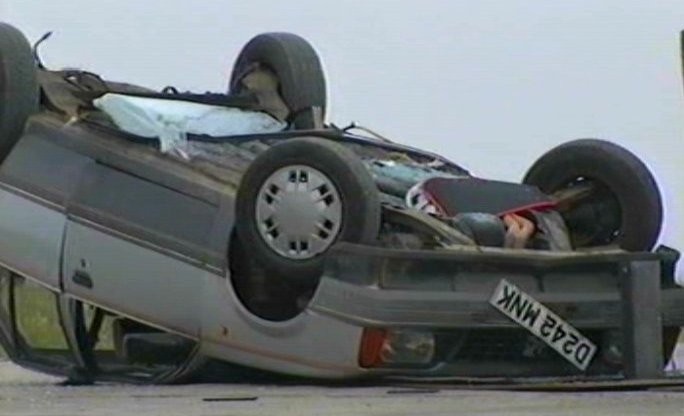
x: 620, y: 300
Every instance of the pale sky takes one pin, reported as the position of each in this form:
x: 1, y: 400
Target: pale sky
x: 489, y: 84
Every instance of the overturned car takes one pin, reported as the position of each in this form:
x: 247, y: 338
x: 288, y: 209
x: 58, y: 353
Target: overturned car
x: 167, y: 236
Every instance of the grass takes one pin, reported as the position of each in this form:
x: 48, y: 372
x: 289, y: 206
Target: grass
x: 38, y: 317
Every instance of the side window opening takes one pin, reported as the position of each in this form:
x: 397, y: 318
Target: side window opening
x: 30, y: 324
x: 35, y: 326
x: 117, y: 348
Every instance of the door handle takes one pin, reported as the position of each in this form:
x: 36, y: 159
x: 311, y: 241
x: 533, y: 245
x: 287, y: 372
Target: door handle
x: 82, y: 278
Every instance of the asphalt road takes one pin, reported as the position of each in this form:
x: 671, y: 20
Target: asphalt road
x: 25, y: 393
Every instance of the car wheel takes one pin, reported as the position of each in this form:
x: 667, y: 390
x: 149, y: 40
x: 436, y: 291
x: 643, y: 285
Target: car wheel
x: 297, y: 67
x: 616, y: 199
x: 19, y: 90
x: 300, y: 197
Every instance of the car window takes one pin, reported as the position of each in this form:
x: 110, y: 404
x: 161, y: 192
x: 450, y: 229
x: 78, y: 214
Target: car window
x: 30, y: 324
x: 120, y: 349
x: 37, y: 317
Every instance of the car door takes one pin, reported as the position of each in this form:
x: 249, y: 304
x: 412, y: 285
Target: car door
x: 36, y: 181
x: 139, y: 248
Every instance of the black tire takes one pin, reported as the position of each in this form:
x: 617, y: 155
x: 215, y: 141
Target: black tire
x: 298, y: 68
x: 19, y: 90
x: 625, y: 207
x: 360, y: 220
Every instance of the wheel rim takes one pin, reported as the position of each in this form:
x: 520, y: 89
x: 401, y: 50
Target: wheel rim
x: 298, y: 212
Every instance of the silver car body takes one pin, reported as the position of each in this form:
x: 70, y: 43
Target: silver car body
x: 95, y: 217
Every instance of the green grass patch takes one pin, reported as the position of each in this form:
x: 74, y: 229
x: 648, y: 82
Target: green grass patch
x: 38, y: 318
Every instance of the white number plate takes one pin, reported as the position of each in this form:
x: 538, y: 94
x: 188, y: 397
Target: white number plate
x: 549, y: 327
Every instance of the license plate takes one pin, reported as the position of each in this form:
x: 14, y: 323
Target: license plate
x: 549, y: 327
